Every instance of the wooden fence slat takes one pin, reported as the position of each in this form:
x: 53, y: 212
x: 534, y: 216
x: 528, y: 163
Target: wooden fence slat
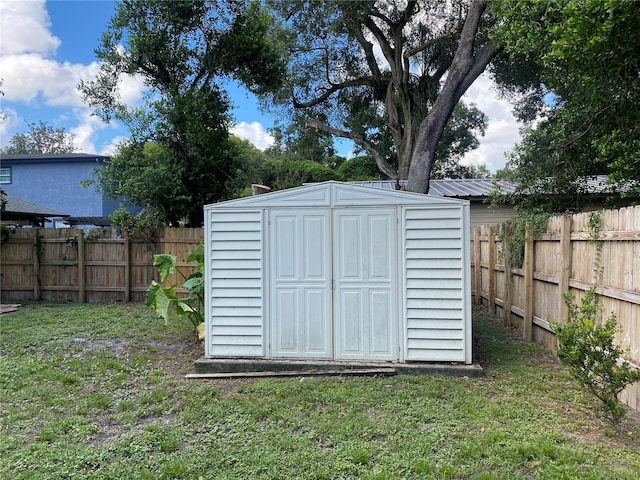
x: 565, y: 266
x: 37, y: 249
x: 527, y: 327
x: 508, y: 287
x: 127, y: 270
x: 477, y: 273
x: 82, y: 279
x: 492, y: 270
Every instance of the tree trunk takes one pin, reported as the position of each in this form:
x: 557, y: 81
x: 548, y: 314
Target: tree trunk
x: 464, y: 70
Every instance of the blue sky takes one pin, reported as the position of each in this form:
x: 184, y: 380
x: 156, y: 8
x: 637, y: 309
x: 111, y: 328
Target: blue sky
x: 46, y: 48
x: 52, y: 43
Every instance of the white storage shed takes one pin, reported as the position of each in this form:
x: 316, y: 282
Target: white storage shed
x: 338, y: 272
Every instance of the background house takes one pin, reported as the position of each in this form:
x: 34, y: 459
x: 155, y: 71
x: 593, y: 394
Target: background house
x: 54, y: 181
x: 476, y: 190
x: 597, y: 194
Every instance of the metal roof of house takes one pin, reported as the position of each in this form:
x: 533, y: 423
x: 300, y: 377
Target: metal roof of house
x: 467, y: 188
x: 600, y: 184
x: 480, y: 188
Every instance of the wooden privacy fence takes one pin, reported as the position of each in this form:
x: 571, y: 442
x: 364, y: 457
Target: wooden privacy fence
x: 71, y: 265
x: 561, y: 260
x: 94, y: 266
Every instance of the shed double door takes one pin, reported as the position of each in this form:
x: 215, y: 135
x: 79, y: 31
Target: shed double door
x: 334, y: 284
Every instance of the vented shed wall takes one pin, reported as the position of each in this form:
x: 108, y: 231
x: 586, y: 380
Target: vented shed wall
x: 235, y: 321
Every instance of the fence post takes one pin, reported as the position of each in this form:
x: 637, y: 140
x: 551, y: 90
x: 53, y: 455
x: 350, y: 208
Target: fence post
x: 37, y: 251
x: 492, y: 270
x: 477, y: 273
x: 127, y: 269
x: 527, y: 325
x: 82, y: 274
x: 565, y: 266
x: 508, y: 287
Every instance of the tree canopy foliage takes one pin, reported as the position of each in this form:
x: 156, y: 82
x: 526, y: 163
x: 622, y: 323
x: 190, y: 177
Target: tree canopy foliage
x: 386, y: 75
x: 185, y: 50
x: 182, y: 50
x: 585, y: 103
x: 40, y: 138
x: 296, y: 142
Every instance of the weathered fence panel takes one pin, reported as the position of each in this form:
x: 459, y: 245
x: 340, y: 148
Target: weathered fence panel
x: 72, y: 265
x: 17, y: 268
x: 562, y: 260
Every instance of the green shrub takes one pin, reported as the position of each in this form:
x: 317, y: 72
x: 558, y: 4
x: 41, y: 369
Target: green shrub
x: 588, y: 348
x: 143, y: 225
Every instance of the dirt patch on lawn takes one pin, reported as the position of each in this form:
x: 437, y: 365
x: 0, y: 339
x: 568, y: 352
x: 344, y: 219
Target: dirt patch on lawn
x: 119, y: 345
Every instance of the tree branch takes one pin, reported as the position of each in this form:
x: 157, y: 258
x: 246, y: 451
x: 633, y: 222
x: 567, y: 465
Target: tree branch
x: 381, y: 161
x: 368, y: 52
x: 481, y: 60
x: 430, y: 43
x: 362, y: 81
x: 465, y: 68
x: 589, y: 122
x: 386, y: 48
x: 469, y: 30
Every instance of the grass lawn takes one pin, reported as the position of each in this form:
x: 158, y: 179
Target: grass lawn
x: 97, y: 392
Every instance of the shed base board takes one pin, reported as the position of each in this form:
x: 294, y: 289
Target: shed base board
x: 206, y: 365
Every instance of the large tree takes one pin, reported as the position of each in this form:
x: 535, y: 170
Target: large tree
x: 586, y: 108
x: 386, y: 75
x: 457, y: 139
x: 40, y: 138
x: 183, y: 51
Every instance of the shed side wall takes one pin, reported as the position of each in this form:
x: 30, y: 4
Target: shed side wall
x: 434, y: 284
x: 235, y: 248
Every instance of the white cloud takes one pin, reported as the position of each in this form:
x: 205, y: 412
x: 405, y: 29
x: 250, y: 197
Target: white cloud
x: 84, y: 133
x: 31, y: 76
x: 255, y: 133
x: 26, y: 78
x: 8, y: 125
x: 503, y: 129
x: 86, y: 136
x: 110, y: 149
x: 131, y: 89
x: 24, y: 28
x: 29, y: 73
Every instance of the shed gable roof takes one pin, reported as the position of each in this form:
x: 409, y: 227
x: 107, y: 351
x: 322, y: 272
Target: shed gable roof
x: 332, y: 194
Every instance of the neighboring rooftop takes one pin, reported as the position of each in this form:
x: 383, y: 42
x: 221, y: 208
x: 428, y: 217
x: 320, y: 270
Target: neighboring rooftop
x: 466, y: 188
x: 22, y: 211
x: 91, y: 221
x: 480, y: 188
x: 53, y: 158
